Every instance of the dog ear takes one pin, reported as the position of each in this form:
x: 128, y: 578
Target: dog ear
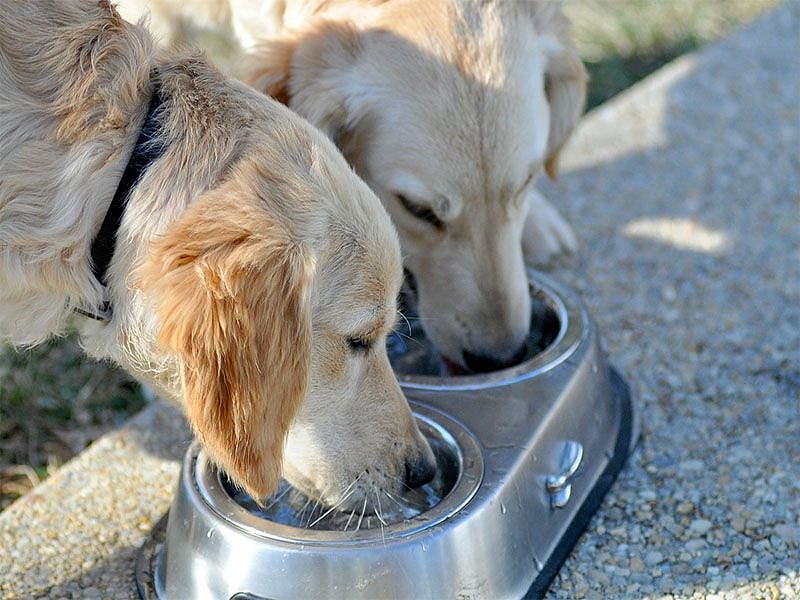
x: 565, y: 88
x: 232, y: 294
x: 268, y: 67
x: 308, y: 71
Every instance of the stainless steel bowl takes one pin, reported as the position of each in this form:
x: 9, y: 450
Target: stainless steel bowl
x: 525, y: 456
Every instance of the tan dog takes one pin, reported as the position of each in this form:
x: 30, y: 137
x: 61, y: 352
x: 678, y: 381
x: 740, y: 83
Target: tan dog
x: 254, y: 277
x: 450, y: 110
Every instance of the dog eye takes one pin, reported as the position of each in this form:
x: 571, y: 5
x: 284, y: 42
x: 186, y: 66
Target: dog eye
x: 359, y: 344
x: 421, y: 212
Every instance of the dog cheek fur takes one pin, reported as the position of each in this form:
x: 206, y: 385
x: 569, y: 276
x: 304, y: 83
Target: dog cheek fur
x: 232, y: 295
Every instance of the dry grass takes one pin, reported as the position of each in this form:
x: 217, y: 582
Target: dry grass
x: 54, y: 401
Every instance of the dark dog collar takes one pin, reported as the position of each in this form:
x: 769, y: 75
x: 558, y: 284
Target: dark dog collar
x: 147, y: 149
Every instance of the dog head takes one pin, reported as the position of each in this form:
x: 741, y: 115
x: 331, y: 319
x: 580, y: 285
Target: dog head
x: 450, y: 111
x: 275, y: 291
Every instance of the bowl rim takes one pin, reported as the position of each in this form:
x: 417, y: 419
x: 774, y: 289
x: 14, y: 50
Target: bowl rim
x: 204, y: 477
x: 574, y: 327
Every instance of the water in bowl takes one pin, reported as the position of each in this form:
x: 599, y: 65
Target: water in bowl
x: 289, y: 506
x: 412, y: 353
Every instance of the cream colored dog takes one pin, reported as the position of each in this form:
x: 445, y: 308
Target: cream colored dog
x: 450, y: 110
x: 254, y: 276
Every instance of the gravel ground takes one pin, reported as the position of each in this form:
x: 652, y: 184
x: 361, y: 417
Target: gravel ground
x: 684, y: 192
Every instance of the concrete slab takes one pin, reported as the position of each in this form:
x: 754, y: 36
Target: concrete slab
x: 76, y: 536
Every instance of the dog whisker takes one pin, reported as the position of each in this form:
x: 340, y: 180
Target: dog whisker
x: 425, y: 318
x: 393, y: 499
x: 352, y: 483
x: 278, y: 497
x: 406, y: 503
x: 397, y: 479
x: 408, y: 323
x: 344, y: 496
x: 346, y: 525
x: 314, y: 508
x: 378, y: 513
x: 361, y: 518
x: 332, y: 508
x: 378, y: 509
x: 302, y: 511
x: 405, y: 336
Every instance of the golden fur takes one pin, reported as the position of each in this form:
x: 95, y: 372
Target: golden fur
x: 454, y: 105
x: 248, y: 255
x: 209, y: 260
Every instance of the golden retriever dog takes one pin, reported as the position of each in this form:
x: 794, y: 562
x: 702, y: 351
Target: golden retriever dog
x: 250, y: 274
x: 450, y: 110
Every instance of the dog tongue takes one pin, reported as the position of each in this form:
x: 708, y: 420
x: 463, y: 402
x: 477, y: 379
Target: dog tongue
x: 453, y: 369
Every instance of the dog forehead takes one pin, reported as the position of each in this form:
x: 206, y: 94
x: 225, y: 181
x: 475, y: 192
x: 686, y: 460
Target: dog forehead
x: 457, y: 128
x: 358, y: 256
x: 356, y: 287
x: 299, y: 172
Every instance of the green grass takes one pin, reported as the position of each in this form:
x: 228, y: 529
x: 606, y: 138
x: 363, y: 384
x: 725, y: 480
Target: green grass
x: 622, y: 41
x: 54, y: 401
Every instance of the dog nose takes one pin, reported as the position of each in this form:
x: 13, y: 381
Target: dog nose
x: 481, y: 363
x: 419, y: 472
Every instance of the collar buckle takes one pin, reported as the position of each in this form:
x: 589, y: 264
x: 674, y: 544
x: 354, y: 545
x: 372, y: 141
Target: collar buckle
x: 102, y: 313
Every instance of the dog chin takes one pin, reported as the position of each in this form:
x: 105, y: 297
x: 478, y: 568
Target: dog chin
x: 302, y: 484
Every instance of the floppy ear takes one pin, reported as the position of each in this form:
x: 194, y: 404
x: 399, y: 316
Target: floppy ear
x: 565, y: 88
x: 269, y: 67
x: 308, y: 71
x: 232, y: 294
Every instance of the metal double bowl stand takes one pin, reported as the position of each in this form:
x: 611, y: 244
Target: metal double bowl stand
x: 527, y: 455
